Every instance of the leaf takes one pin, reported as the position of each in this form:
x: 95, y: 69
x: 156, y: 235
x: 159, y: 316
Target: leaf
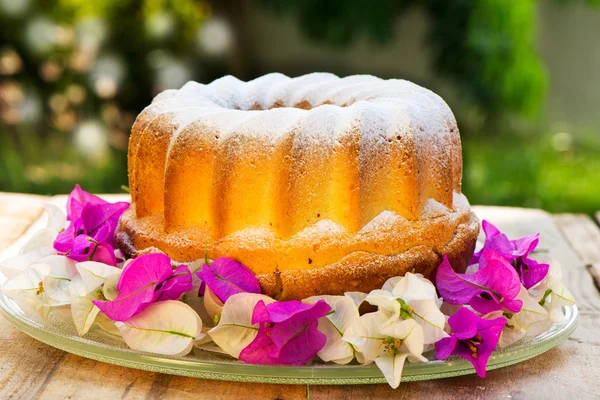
x: 168, y: 327
x: 235, y: 330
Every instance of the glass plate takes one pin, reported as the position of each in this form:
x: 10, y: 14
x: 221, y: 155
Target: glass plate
x: 59, y: 332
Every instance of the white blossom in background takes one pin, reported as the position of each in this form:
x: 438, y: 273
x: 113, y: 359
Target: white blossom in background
x: 173, y: 74
x: 215, y: 37
x: 14, y: 8
x: 106, y: 75
x: 91, y: 140
x: 160, y: 25
x: 91, y: 33
x: 40, y: 34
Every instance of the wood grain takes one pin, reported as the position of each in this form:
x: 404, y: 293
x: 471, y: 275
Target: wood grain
x: 583, y: 235
x: 32, y: 370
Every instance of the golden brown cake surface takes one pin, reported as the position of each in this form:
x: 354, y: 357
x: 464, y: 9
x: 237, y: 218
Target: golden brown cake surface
x: 332, y: 184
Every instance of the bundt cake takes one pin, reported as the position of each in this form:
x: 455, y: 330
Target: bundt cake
x: 318, y: 184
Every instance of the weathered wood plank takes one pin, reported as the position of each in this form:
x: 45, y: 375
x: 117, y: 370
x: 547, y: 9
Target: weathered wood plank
x: 17, y: 213
x: 584, y: 236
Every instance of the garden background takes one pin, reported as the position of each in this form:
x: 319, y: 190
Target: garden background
x: 522, y: 76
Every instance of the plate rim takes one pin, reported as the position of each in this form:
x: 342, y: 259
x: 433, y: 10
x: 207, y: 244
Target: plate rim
x: 316, y: 374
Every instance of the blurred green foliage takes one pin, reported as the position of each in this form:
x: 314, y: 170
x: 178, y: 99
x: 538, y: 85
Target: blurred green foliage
x: 485, y: 47
x: 535, y: 171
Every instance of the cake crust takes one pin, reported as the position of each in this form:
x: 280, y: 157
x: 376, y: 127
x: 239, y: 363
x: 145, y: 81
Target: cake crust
x: 318, y: 184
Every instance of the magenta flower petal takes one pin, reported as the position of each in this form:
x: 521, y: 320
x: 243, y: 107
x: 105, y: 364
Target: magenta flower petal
x: 510, y: 249
x: 175, y: 286
x: 64, y: 241
x: 445, y: 347
x: 226, y: 277
x: 261, y: 350
x: 287, y: 333
x: 492, y: 288
x: 85, y: 248
x: 137, y: 286
x: 95, y: 216
x: 77, y: 199
x: 302, y: 341
x: 532, y: 272
x: 475, y: 346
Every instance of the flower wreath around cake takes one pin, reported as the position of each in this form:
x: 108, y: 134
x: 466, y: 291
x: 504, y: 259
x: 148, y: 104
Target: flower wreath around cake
x: 156, y: 305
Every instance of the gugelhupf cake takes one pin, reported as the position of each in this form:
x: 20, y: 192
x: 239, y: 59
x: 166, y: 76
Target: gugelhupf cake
x: 318, y: 184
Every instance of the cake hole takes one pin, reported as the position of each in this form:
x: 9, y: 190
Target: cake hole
x: 310, y: 260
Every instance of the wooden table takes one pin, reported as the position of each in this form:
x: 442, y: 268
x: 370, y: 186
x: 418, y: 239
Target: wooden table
x: 31, y: 369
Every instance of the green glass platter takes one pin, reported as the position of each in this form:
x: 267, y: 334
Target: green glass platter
x: 58, y: 331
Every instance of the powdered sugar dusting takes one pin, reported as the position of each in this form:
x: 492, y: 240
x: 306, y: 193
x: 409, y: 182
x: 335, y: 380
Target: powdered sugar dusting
x: 392, y: 145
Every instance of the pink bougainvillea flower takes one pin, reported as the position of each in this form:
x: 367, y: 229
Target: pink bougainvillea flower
x: 147, y: 279
x: 64, y: 241
x: 287, y: 333
x: 77, y: 199
x: 97, y: 217
x: 516, y: 252
x: 494, y: 287
x: 86, y: 248
x: 496, y: 240
x: 532, y: 272
x: 226, y: 277
x: 472, y: 338
x: 95, y: 221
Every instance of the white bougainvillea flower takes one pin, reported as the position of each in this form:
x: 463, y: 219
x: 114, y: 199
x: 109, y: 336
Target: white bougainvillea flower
x: 412, y: 297
x: 357, y: 297
x: 40, y: 245
x: 235, y: 330
x: 11, y: 267
x: 343, y: 312
x: 41, y: 285
x: 87, y: 287
x: 387, y: 344
x: 555, y: 295
x: 44, y: 238
x: 520, y: 324
x: 166, y: 327
x: 49, y: 278
x: 552, y: 295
